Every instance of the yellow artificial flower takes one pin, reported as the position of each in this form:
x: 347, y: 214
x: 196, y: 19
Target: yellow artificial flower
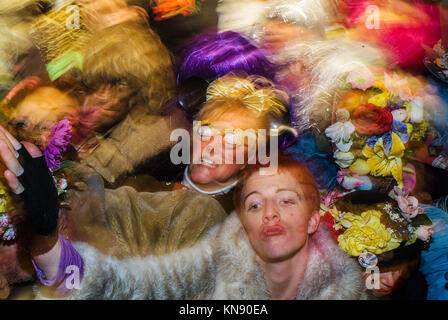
x: 365, y: 232
x: 382, y: 164
x: 360, y: 167
x: 5, y: 200
x: 380, y: 100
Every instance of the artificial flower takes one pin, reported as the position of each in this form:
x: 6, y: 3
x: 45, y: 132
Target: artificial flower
x: 340, y: 134
x: 367, y: 183
x: 349, y: 180
x: 360, y: 167
x: 407, y: 204
x: 328, y: 220
x: 330, y: 198
x: 370, y: 120
x: 380, y: 100
x: 5, y: 200
x: 416, y: 112
x: 6, y: 229
x: 61, y: 185
x: 386, y: 164
x: 343, y: 159
x: 398, y: 86
x: 351, y: 100
x: 58, y: 141
x: 424, y: 233
x: 361, y: 78
x: 399, y: 128
x: 400, y: 115
x: 365, y: 232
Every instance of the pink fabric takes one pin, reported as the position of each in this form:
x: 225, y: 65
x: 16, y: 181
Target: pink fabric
x: 402, y: 41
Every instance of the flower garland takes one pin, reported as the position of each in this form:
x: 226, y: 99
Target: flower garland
x: 379, y: 122
x: 7, y: 231
x: 379, y: 228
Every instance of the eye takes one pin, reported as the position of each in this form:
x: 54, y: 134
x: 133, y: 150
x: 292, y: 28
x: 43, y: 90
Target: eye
x: 254, y: 206
x: 205, y: 132
x: 287, y: 201
x: 231, y: 138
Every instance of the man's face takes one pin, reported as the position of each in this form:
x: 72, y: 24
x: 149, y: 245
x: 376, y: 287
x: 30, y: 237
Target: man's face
x: 276, y: 215
x: 224, y: 144
x: 112, y: 102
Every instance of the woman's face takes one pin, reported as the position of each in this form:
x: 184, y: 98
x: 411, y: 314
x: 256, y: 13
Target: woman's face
x: 213, y: 158
x: 277, y: 216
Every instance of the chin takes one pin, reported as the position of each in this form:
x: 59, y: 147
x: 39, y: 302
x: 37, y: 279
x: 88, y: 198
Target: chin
x: 201, y: 175
x: 278, y: 252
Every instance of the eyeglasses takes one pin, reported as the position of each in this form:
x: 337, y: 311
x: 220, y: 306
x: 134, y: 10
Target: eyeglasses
x: 232, y: 137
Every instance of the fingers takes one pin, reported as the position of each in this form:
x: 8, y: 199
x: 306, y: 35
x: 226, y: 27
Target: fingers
x: 9, y: 159
x: 10, y: 138
x: 13, y: 182
x: 32, y: 149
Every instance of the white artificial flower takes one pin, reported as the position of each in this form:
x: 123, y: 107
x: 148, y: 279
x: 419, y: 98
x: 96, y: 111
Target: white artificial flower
x: 344, y: 159
x: 340, y: 134
x: 416, y: 110
x: 400, y: 115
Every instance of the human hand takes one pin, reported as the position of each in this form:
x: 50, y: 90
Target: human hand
x: 29, y: 177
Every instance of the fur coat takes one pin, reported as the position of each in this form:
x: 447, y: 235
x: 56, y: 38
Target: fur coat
x: 221, y: 266
x: 140, y: 136
x: 123, y: 222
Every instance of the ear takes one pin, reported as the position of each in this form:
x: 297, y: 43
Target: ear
x: 313, y: 223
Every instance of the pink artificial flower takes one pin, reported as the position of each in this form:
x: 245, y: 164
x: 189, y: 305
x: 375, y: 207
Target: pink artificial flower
x: 424, y: 233
x: 58, y: 141
x: 408, y: 205
x: 330, y: 198
x: 349, y: 180
x: 360, y: 78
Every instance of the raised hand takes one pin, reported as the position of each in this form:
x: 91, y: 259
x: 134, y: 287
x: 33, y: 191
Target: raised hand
x: 28, y: 176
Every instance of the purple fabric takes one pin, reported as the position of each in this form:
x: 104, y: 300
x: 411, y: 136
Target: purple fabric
x: 69, y: 258
x: 212, y: 55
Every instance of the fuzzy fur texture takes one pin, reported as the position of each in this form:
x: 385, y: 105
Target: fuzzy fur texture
x: 326, y: 63
x: 222, y: 266
x: 136, y: 139
x: 309, y: 13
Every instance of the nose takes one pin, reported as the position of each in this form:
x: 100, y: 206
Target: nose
x: 211, y: 146
x: 270, y: 212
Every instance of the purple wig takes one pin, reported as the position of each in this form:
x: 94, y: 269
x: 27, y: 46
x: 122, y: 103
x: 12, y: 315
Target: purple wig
x: 212, y: 55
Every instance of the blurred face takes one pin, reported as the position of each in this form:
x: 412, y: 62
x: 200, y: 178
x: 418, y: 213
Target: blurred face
x: 112, y: 102
x: 215, y: 159
x: 277, y: 34
x: 41, y: 110
x: 276, y: 215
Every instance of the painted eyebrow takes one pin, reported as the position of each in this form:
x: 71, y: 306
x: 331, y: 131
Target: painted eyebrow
x: 290, y: 190
x: 245, y: 198
x: 279, y: 190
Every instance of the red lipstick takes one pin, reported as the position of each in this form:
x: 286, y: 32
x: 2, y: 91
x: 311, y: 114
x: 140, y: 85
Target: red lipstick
x: 272, y: 231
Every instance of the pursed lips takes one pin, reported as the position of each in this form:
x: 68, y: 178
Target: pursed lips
x: 273, y: 230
